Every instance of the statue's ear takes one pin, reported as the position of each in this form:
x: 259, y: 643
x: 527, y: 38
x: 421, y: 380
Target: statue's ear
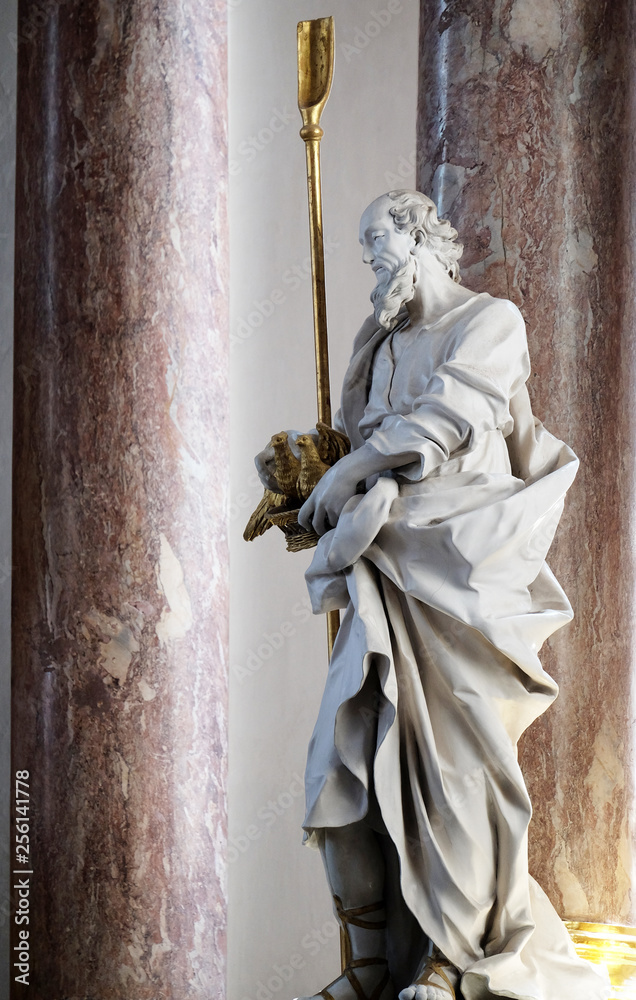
x: 419, y: 238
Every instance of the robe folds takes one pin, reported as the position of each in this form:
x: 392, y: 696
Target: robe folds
x: 435, y: 672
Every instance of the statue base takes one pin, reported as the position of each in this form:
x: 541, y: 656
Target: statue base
x: 611, y: 947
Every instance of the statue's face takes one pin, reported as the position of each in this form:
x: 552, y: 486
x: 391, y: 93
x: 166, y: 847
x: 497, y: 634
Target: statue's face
x: 384, y: 247
x: 388, y: 251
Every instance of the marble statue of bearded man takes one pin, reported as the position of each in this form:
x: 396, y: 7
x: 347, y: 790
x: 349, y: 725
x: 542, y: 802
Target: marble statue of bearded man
x: 414, y: 794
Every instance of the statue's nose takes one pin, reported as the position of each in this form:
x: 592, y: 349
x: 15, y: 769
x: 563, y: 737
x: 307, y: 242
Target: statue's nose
x: 367, y: 256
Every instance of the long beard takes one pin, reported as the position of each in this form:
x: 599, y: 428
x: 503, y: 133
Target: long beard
x: 393, y: 290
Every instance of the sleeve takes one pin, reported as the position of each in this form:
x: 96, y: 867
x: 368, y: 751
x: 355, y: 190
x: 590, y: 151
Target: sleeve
x: 467, y: 396
x: 338, y: 422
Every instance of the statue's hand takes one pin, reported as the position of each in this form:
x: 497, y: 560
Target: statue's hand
x: 322, y: 510
x: 339, y: 484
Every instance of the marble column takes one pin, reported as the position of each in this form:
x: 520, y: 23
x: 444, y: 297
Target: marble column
x: 526, y: 138
x: 120, y: 463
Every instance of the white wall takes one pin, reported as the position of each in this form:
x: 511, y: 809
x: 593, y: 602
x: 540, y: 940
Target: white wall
x: 280, y: 908
x: 8, y: 23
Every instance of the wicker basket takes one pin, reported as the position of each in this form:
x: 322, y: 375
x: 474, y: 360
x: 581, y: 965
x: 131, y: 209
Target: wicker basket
x: 297, y: 537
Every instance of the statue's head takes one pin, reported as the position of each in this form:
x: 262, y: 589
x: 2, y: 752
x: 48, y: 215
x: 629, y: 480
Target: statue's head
x: 395, y: 229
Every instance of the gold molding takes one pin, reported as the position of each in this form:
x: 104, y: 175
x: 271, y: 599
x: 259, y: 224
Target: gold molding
x: 611, y: 947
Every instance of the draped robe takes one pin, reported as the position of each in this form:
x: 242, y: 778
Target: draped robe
x: 435, y: 673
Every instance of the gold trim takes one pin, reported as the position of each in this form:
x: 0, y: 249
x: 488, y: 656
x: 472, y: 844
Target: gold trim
x: 611, y: 947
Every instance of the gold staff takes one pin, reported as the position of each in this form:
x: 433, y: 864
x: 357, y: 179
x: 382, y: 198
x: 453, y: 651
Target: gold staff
x: 315, y: 73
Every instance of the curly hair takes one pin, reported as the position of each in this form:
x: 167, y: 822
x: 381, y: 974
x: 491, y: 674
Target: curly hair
x: 415, y: 213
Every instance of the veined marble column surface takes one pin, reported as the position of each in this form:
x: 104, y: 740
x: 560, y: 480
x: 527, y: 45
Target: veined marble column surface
x: 120, y: 555
x: 526, y: 140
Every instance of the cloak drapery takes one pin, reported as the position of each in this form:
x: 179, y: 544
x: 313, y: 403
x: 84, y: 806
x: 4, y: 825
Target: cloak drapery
x: 435, y: 673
